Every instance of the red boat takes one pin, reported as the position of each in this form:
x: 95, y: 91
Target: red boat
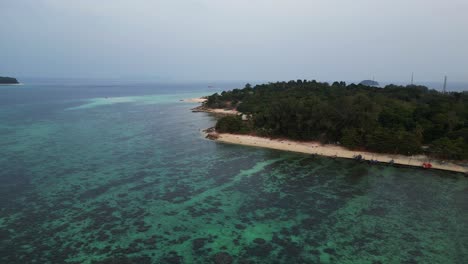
x: 427, y: 165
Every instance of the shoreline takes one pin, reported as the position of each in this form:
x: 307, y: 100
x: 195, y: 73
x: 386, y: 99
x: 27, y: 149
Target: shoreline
x: 194, y: 100
x: 201, y: 108
x: 334, y: 151
x: 218, y: 111
x: 11, y: 84
x: 316, y: 148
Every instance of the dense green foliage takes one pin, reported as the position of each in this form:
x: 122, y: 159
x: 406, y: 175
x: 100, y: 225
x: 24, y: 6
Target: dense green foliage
x: 232, y: 124
x: 394, y: 119
x: 8, y: 80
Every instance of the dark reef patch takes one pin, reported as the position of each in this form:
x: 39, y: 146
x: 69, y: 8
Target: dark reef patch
x: 172, y: 258
x: 259, y: 241
x: 259, y: 250
x: 199, y: 243
x: 222, y: 258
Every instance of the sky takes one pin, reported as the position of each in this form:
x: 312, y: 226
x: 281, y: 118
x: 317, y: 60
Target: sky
x: 269, y: 40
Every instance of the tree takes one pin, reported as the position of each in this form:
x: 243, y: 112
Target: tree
x: 352, y: 138
x: 449, y: 148
x: 230, y: 124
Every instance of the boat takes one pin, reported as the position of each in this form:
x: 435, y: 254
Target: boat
x: 427, y: 165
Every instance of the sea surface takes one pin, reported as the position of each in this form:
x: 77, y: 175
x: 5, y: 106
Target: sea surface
x: 119, y: 172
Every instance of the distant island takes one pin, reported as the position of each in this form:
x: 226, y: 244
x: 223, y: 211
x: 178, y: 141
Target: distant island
x: 394, y: 120
x: 369, y: 83
x: 8, y: 80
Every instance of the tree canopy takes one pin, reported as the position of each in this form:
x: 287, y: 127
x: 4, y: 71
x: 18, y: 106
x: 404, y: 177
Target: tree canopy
x: 8, y: 80
x: 394, y: 119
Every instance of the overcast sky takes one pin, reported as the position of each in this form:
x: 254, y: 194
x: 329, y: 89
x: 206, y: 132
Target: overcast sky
x: 236, y: 39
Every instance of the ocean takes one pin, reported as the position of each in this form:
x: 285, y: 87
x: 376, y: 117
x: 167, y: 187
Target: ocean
x: 119, y: 172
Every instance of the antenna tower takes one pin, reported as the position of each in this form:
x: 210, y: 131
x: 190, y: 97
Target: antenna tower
x: 445, y: 84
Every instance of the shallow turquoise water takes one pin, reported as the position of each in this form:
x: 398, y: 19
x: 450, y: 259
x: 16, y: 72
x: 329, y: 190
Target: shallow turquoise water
x: 130, y: 179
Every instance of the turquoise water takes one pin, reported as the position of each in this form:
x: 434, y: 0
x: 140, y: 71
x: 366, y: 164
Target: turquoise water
x: 121, y: 174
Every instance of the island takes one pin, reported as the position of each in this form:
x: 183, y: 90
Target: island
x: 369, y: 83
x: 406, y: 125
x: 8, y: 80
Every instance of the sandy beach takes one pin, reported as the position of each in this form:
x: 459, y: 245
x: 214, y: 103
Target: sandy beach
x: 194, y: 100
x: 201, y: 108
x: 332, y: 151
x: 215, y: 111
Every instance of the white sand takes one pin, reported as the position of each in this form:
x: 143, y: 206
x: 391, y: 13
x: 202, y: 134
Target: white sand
x: 215, y: 110
x: 333, y: 151
x: 221, y: 111
x: 201, y: 108
x: 194, y: 100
